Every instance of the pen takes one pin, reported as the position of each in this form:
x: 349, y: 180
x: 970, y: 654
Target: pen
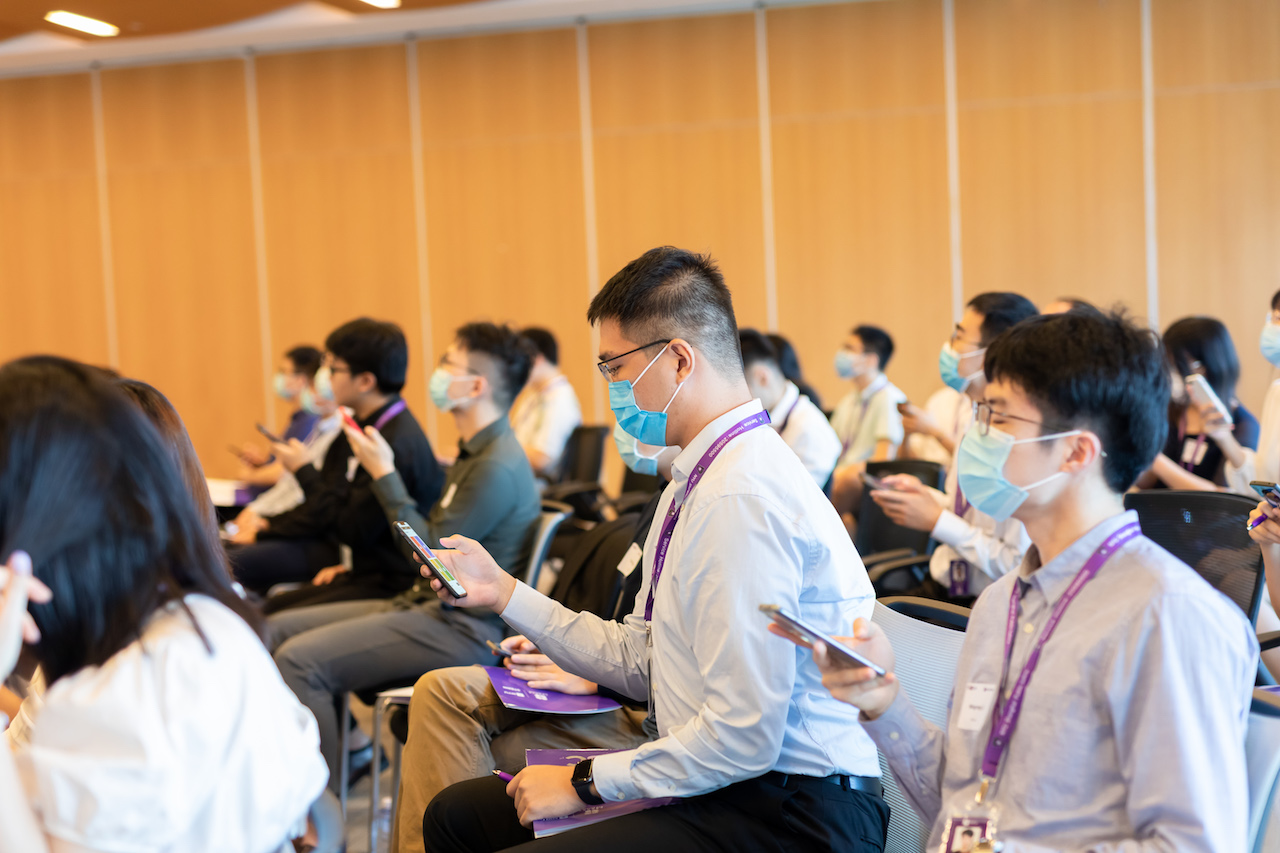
x: 507, y: 776
x: 1261, y: 518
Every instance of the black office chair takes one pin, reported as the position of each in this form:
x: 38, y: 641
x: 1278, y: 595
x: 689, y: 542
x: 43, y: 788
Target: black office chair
x: 581, y: 466
x: 896, y: 557
x: 942, y: 613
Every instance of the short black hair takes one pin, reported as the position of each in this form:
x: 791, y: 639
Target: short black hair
x: 1275, y: 301
x: 1098, y: 372
x: 756, y: 348
x: 510, y: 355
x: 89, y: 488
x: 544, y: 342
x: 789, y: 364
x: 372, y: 346
x: 669, y: 293
x: 968, y: 832
x: 1206, y: 340
x: 875, y: 340
x: 305, y: 359
x: 1000, y: 311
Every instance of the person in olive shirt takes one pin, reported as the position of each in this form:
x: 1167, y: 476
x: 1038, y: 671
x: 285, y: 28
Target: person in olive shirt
x: 367, y: 361
x: 489, y: 494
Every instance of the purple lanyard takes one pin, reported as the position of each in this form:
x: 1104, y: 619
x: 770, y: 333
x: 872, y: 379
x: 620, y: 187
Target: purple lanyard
x: 396, y: 408
x: 786, y: 419
x: 1006, y: 714
x: 962, y: 505
x: 673, y: 514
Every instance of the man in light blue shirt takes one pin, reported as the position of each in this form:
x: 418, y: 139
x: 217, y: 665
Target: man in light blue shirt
x: 763, y: 756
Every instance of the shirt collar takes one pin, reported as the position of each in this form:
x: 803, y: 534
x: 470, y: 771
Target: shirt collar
x: 484, y: 438
x: 876, y: 384
x: 683, y: 464
x: 1053, y: 578
x: 778, y: 413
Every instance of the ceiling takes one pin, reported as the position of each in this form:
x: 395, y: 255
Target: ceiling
x: 157, y: 17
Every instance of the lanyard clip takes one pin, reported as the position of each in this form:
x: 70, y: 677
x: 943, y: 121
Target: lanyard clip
x: 982, y: 790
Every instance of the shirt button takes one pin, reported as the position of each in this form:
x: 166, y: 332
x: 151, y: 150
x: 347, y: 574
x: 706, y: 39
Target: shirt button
x: 893, y: 735
x: 1029, y: 628
x: 618, y: 796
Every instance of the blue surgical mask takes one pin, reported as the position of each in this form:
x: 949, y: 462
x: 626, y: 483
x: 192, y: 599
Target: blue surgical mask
x: 629, y: 449
x: 324, y: 384
x: 980, y: 470
x: 647, y: 427
x: 949, y: 368
x: 282, y: 389
x: 849, y: 364
x: 438, y: 387
x: 1271, y: 343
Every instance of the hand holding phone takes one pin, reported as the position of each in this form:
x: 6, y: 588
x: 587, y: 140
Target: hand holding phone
x: 836, y: 651
x: 497, y: 649
x: 431, y: 561
x: 872, y: 481
x: 1204, y: 398
x: 270, y: 436
x: 349, y: 421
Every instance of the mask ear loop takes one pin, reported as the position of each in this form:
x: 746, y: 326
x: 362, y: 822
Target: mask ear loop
x: 647, y: 366
x: 692, y: 364
x: 1055, y: 474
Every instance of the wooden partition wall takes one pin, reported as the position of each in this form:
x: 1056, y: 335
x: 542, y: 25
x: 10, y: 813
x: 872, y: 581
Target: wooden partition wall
x: 861, y: 162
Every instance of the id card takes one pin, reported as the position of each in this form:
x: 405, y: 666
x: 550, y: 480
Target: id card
x: 959, y: 579
x: 1193, y: 450
x: 964, y: 834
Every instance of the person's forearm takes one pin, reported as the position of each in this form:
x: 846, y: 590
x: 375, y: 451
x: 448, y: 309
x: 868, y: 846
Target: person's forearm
x: 18, y: 828
x: 1175, y: 476
x: 1230, y: 448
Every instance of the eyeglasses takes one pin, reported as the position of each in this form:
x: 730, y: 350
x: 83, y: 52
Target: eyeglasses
x: 983, y: 413
x: 956, y: 339
x: 445, y: 362
x: 609, y: 372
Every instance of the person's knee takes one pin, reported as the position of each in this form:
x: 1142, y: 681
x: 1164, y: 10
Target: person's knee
x: 297, y: 663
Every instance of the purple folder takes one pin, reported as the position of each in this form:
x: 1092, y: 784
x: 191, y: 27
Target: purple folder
x: 591, y: 814
x: 519, y: 696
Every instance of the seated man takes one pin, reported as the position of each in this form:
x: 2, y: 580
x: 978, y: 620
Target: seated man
x: 1134, y: 676
x: 367, y: 361
x: 489, y: 493
x: 761, y: 756
x: 974, y: 549
x: 800, y: 423
x: 295, y: 384
x: 546, y: 412
x: 866, y: 420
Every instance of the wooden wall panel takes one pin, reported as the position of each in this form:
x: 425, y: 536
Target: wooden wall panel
x: 503, y: 164
x: 677, y: 146
x: 860, y: 183
x: 51, y: 279
x: 178, y: 175
x: 1217, y: 77
x: 1050, y: 136
x: 337, y: 180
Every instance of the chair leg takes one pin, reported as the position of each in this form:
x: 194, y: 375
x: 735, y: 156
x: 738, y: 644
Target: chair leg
x: 379, y: 709
x: 395, y: 775
x: 344, y: 757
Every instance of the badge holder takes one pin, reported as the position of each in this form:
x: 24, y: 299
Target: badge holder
x: 971, y: 827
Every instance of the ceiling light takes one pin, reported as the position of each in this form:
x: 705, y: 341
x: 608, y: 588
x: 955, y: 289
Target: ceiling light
x: 384, y: 4
x: 92, y: 26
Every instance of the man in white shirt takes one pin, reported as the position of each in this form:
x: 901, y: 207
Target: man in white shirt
x: 546, y: 412
x: 762, y: 757
x: 866, y: 420
x: 974, y: 549
x: 800, y: 423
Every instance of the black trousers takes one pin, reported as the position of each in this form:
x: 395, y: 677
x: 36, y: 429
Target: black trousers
x: 764, y: 814
x: 264, y: 564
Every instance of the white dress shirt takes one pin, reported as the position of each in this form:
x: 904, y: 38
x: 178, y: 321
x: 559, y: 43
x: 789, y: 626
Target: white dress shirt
x: 864, y: 418
x: 543, y: 419
x: 286, y: 493
x: 945, y: 406
x: 731, y: 700
x: 806, y: 431
x: 169, y: 746
x: 1131, y: 736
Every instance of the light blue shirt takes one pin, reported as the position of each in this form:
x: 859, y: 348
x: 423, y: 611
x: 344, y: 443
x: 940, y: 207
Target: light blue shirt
x: 1131, y: 736
x: 731, y: 700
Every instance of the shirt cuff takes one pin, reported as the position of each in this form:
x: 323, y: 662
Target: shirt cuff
x: 899, y: 730
x: 612, y: 775
x: 528, y: 611
x: 950, y: 529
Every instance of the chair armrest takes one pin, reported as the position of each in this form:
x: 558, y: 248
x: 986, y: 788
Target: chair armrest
x: 914, y: 565
x: 631, y: 502
x: 1269, y: 640
x: 878, y: 557
x: 951, y: 615
x: 585, y: 496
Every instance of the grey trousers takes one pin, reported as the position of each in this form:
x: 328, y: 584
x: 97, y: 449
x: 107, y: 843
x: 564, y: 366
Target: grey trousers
x: 330, y: 649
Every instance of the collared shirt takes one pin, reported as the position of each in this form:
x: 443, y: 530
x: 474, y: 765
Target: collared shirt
x: 286, y: 493
x: 1263, y: 463
x: 951, y: 409
x: 991, y: 548
x: 806, y: 431
x: 867, y: 416
x: 1132, y: 729
x: 732, y: 701
x: 489, y: 496
x: 543, y: 419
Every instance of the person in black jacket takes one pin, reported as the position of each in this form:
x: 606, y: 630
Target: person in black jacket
x: 367, y: 361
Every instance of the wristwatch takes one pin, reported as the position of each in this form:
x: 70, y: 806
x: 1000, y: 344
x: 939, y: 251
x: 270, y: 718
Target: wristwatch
x: 582, y: 783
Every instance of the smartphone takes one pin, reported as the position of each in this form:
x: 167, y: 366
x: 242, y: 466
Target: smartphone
x: 497, y: 649
x: 1270, y: 492
x: 1202, y: 395
x: 432, y: 562
x: 271, y: 436
x: 904, y: 408
x: 835, y: 648
x: 350, y: 421
x: 872, y: 481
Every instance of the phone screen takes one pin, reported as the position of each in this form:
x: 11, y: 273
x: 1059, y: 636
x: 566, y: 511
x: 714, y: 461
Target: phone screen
x: 438, y: 568
x: 834, y: 647
x: 872, y: 480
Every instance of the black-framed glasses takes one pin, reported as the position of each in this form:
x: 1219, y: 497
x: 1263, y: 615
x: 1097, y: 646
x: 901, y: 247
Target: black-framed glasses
x: 445, y: 362
x: 607, y: 372
x: 983, y: 412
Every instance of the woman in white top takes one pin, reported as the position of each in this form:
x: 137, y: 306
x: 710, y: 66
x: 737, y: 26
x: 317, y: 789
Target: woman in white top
x: 165, y: 726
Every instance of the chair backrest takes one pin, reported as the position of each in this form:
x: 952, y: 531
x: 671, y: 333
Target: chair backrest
x: 926, y: 665
x: 583, y: 457
x: 553, y: 515
x: 1206, y: 530
x: 876, y: 533
x: 640, y: 483
x: 1262, y: 755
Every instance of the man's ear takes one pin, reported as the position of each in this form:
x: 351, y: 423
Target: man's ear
x: 686, y: 357
x: 365, y: 382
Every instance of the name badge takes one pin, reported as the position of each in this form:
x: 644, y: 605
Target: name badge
x: 353, y: 465
x: 448, y: 496
x: 975, y: 706
x: 1193, y: 451
x: 630, y: 560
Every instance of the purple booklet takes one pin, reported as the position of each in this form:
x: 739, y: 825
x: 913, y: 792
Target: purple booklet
x: 519, y: 696
x: 591, y: 814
